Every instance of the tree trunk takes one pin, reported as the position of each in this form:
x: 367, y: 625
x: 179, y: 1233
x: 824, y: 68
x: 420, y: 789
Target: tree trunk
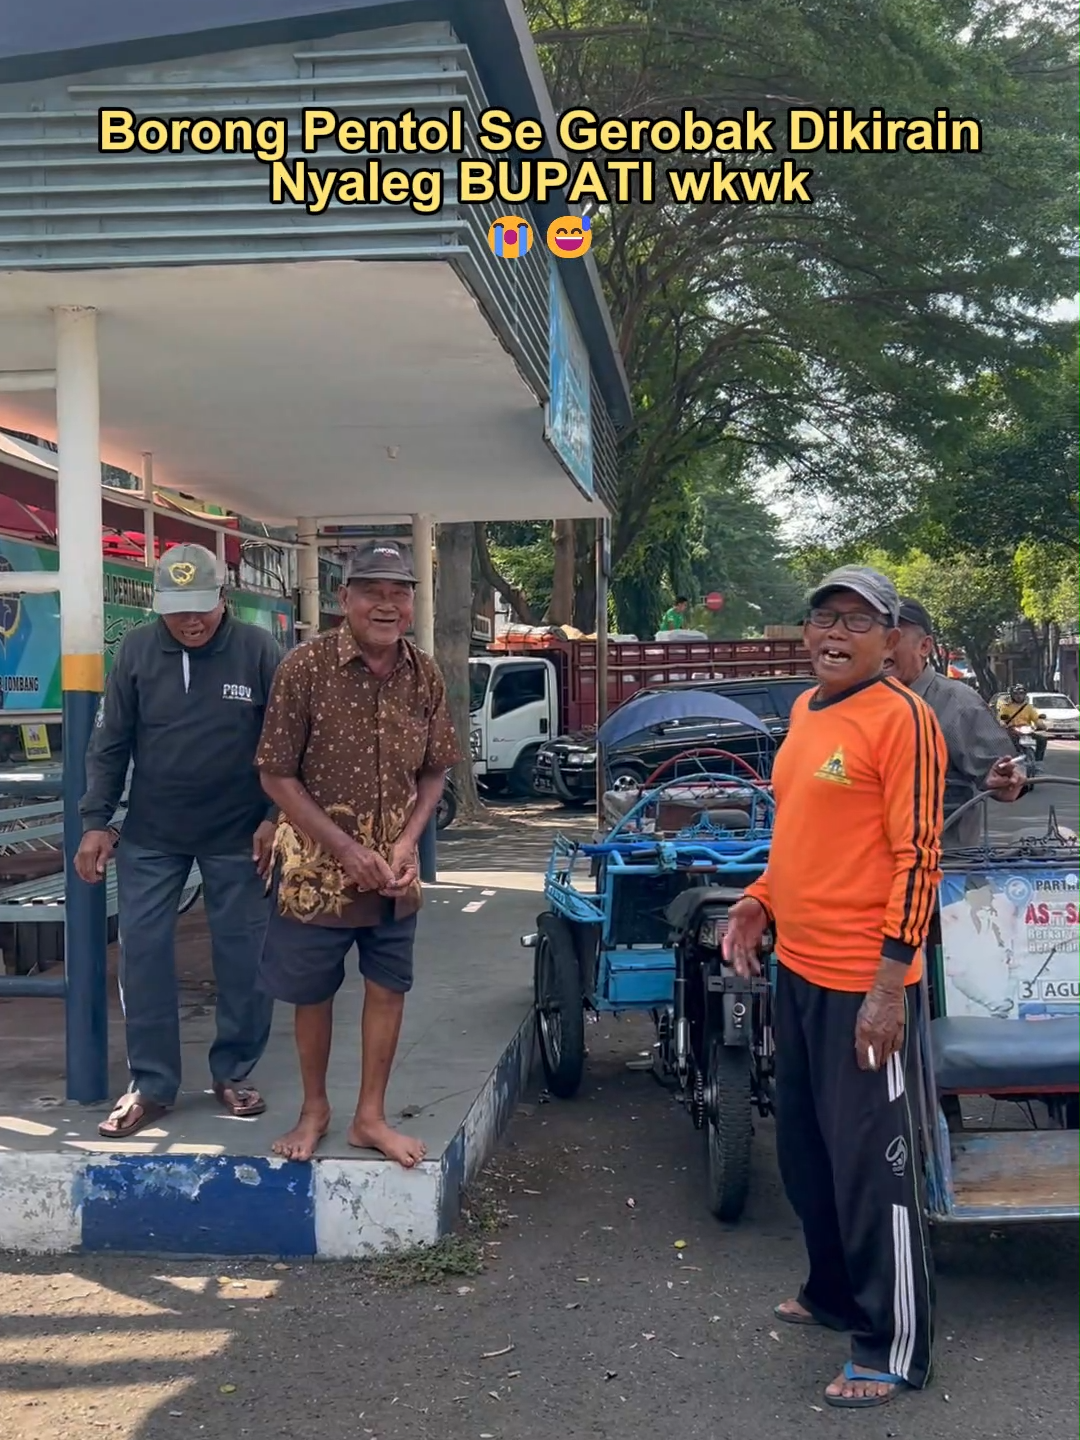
x: 1053, y: 652
x: 585, y: 575
x: 561, y: 609
x: 979, y: 660
x: 453, y: 631
x: 517, y: 601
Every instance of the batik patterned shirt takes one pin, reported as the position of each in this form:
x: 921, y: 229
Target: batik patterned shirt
x: 358, y: 745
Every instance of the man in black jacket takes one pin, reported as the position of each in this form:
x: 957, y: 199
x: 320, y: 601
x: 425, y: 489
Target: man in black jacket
x: 184, y: 705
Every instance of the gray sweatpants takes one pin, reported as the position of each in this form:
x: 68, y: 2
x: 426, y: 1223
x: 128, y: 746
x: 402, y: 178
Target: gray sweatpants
x: 150, y: 885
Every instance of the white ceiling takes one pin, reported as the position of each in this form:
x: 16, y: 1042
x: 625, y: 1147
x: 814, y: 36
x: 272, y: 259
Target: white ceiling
x: 280, y: 390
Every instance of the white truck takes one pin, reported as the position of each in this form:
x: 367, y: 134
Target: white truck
x: 532, y: 686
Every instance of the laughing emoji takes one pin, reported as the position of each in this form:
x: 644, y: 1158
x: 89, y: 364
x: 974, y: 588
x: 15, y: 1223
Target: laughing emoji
x: 569, y: 237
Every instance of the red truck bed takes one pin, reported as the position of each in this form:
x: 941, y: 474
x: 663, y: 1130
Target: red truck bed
x: 634, y: 664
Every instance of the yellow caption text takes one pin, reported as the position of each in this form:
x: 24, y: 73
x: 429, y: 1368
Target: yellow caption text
x: 624, y: 160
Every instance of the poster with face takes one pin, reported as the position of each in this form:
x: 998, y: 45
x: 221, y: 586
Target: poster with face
x: 1010, y: 943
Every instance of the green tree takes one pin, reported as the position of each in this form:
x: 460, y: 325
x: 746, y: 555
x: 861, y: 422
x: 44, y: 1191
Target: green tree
x: 970, y: 598
x: 1014, y: 478
x: 836, y: 338
x: 1047, y: 578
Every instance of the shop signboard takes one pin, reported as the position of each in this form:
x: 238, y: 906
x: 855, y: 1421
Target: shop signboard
x: 569, y: 408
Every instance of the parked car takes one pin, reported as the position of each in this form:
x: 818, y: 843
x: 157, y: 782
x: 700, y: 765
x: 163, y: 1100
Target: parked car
x: 566, y: 766
x: 1060, y: 713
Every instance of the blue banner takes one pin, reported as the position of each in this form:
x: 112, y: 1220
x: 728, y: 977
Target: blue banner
x: 569, y: 410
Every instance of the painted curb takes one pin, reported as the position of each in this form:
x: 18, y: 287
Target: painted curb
x: 237, y: 1205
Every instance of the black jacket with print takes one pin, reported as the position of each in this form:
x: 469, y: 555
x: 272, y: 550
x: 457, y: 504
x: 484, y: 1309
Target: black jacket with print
x: 188, y: 722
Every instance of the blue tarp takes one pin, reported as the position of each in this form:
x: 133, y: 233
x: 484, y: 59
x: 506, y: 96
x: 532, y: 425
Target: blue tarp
x: 670, y: 705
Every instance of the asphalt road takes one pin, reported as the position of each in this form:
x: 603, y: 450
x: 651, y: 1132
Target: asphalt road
x: 1031, y: 812
x: 609, y: 1306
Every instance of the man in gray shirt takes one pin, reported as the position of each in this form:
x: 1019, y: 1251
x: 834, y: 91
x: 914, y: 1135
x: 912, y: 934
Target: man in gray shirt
x: 184, y: 704
x: 981, y: 755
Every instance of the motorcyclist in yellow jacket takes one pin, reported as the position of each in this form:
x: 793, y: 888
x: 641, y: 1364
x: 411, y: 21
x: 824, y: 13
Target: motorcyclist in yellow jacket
x: 1015, y: 710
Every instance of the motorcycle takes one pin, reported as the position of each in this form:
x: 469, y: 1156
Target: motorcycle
x: 719, y: 1041
x: 1028, y: 746
x: 446, y: 813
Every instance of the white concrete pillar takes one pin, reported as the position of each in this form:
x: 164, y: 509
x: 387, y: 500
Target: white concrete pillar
x: 82, y: 678
x: 423, y: 540
x: 307, y: 563
x: 78, y: 504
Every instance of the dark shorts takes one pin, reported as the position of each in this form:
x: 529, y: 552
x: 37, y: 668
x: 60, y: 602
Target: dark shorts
x: 304, y: 964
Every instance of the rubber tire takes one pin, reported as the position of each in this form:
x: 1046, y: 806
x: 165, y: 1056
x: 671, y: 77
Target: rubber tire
x: 629, y: 772
x: 729, y: 1136
x: 446, y: 812
x: 520, y: 782
x: 555, y: 940
x: 493, y: 784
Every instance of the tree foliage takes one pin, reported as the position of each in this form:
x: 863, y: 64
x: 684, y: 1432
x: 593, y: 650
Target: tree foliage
x: 970, y: 598
x: 839, y: 339
x: 1015, y: 476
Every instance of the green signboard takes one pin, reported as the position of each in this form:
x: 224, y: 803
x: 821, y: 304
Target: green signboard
x: 30, y: 624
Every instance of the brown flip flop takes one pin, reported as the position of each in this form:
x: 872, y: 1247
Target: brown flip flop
x: 130, y: 1114
x: 246, y: 1101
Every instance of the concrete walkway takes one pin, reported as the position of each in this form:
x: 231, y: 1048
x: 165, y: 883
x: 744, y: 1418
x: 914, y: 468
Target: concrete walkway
x: 203, y: 1182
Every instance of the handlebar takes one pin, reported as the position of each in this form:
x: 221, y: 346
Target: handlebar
x: 985, y: 796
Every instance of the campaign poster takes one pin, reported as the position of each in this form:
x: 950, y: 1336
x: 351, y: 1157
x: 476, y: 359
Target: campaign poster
x: 1009, y: 943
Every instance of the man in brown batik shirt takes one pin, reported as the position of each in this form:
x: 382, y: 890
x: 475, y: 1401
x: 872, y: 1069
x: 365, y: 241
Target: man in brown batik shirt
x: 354, y: 752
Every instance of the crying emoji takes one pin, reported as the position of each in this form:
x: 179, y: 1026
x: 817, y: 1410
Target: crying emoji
x: 569, y: 237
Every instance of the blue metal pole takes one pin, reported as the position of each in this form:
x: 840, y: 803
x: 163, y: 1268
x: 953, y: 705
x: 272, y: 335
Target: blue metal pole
x: 426, y: 850
x: 82, y: 671
x: 423, y: 547
x: 86, y: 936
x: 39, y: 986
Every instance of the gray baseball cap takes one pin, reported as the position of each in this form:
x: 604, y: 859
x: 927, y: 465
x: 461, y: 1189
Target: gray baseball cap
x: 188, y: 579
x: 876, y: 589
x: 380, y: 558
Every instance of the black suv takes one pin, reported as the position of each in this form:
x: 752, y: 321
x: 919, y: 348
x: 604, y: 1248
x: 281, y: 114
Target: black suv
x: 566, y: 766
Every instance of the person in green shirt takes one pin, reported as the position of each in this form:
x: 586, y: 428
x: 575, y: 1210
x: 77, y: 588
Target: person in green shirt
x: 675, y: 618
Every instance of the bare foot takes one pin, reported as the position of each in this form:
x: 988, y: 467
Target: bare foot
x: 857, y: 1388
x: 377, y: 1135
x: 794, y: 1313
x: 303, y: 1139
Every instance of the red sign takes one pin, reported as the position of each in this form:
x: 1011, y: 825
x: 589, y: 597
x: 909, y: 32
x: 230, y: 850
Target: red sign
x: 714, y: 601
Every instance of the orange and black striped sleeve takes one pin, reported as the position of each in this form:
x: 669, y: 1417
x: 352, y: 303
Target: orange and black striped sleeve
x: 913, y: 762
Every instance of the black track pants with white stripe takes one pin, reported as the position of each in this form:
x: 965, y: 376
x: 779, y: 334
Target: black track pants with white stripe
x: 849, y: 1158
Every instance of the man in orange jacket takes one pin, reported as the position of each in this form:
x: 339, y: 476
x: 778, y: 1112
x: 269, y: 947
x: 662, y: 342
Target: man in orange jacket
x: 849, y: 891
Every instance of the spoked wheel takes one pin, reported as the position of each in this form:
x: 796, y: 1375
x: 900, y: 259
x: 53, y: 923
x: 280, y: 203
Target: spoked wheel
x: 729, y: 1128
x: 560, y: 1007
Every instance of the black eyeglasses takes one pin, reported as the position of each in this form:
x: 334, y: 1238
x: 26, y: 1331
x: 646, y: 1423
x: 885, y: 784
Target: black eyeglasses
x: 855, y: 622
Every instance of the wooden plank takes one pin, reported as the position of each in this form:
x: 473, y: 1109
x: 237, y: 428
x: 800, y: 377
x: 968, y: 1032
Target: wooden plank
x: 1011, y: 1170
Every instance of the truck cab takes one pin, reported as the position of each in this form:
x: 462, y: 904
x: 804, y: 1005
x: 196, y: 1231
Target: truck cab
x: 514, y: 708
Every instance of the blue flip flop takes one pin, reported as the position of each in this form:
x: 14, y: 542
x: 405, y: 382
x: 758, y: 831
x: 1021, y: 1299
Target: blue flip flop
x: 865, y: 1402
